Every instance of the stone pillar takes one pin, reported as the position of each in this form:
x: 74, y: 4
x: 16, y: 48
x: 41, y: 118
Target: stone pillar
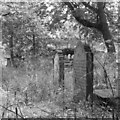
x: 89, y: 72
x: 61, y: 69
x: 118, y: 62
x: 56, y: 66
x: 118, y: 81
x: 83, y: 73
x: 1, y: 51
x: 79, y: 66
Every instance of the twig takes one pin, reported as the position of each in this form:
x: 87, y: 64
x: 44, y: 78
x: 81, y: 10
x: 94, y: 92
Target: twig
x: 12, y: 112
x: 106, y: 76
x: 46, y: 112
x: 20, y: 110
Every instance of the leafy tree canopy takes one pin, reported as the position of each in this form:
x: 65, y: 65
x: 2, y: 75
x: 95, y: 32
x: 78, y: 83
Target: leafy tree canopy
x: 28, y: 27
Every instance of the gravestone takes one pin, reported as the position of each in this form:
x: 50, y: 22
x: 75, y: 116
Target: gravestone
x: 83, y: 72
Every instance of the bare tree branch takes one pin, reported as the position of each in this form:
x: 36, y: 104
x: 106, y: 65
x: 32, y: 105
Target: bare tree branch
x: 74, y: 4
x: 6, y: 14
x: 104, y: 4
x: 100, y: 25
x: 86, y: 23
x: 78, y: 17
x: 69, y: 5
x: 90, y: 7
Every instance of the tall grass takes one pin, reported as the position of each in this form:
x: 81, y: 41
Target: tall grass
x: 35, y: 82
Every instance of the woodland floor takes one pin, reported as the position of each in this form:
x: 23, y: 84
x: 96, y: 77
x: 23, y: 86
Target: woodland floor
x: 48, y: 108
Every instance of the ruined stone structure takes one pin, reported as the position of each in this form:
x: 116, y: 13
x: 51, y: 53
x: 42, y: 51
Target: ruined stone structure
x: 59, y: 68
x: 83, y: 72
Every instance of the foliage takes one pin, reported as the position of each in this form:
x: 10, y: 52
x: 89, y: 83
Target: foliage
x: 24, y: 33
x: 52, y: 22
x: 85, y: 17
x: 28, y: 29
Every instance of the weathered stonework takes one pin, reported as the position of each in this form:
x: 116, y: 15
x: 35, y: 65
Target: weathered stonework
x: 83, y: 72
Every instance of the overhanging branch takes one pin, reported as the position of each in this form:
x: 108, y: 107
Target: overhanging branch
x: 77, y: 16
x: 69, y: 5
x: 87, y: 23
x: 90, y: 7
x: 74, y: 4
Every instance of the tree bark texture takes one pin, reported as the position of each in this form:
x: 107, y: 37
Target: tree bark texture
x: 104, y: 28
x: 11, y: 49
x: 101, y: 24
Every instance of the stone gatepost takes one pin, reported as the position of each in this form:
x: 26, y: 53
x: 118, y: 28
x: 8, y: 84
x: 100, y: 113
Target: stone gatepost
x: 118, y: 76
x: 56, y: 66
x: 83, y: 72
x: 61, y: 69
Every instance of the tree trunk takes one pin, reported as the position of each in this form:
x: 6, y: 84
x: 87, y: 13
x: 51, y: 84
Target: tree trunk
x: 100, y: 25
x: 61, y: 70
x: 34, y: 45
x: 11, y: 48
x: 1, y: 53
x: 104, y: 28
